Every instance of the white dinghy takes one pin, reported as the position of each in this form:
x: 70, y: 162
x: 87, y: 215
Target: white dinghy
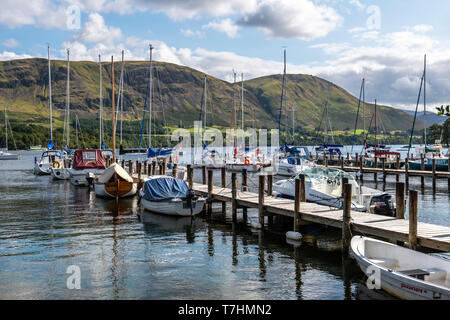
x: 404, y: 273
x: 170, y: 196
x: 115, y: 181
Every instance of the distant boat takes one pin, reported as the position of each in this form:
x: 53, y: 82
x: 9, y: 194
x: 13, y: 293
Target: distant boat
x: 4, y: 154
x: 48, y: 159
x: 170, y: 196
x: 404, y: 273
x: 37, y: 148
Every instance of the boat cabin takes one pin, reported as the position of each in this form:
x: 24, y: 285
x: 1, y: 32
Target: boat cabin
x: 88, y: 159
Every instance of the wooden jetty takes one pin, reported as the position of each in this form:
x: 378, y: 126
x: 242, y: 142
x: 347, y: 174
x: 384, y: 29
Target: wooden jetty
x: 395, y: 229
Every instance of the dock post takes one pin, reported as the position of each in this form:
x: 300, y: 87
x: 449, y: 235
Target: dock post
x: 413, y: 219
x: 153, y: 167
x: 325, y: 159
x: 270, y: 185
x: 448, y: 169
x: 384, y: 169
x: 210, y: 189
x: 174, y: 170
x: 406, y: 173
x: 145, y: 167
x: 302, y: 188
x: 433, y: 162
x: 233, y: 196
x: 130, y: 167
x: 400, y: 200
x: 346, y: 227
x: 361, y: 168
x: 204, y: 174
x: 343, y: 183
x: 161, y: 172
x: 244, y: 187
x: 297, y: 205
x: 356, y: 159
x: 139, y: 170
x: 375, y: 174
x: 342, y: 162
x: 224, y: 184
x: 123, y: 163
x: 262, y: 183
x: 189, y: 176
x: 422, y: 167
x: 244, y: 182
x: 397, y: 176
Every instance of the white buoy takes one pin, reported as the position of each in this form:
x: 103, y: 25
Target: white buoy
x: 292, y: 235
x: 255, y: 225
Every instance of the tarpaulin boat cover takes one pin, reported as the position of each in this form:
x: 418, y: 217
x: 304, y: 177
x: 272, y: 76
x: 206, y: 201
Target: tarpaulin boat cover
x: 89, y: 159
x: 164, y: 189
x: 151, y: 152
x: 109, y: 173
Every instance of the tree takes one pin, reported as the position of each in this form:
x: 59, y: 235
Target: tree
x: 443, y: 111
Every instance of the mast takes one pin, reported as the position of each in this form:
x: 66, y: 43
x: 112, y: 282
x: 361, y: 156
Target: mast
x: 113, y: 113
x: 282, y: 93
x: 326, y: 115
x: 50, y: 96
x: 364, y: 104
x: 150, y: 101
x: 242, y: 99
x: 101, y: 101
x: 121, y: 99
x: 293, y: 125
x: 6, y: 129
x: 204, y: 105
x: 68, y: 98
x: 425, y: 99
x: 375, y: 127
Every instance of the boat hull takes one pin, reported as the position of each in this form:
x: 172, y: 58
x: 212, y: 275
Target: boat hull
x: 391, y: 259
x: 175, y: 207
x: 60, y: 173
x: 427, y: 167
x: 41, y: 169
x: 108, y: 190
x: 9, y: 156
x: 78, y: 177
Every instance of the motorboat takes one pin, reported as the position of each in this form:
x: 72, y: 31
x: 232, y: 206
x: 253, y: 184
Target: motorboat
x: 48, y: 160
x: 324, y: 186
x: 115, y: 181
x: 403, y: 273
x: 170, y: 196
x: 291, y: 166
x: 430, y: 153
x: 86, y: 162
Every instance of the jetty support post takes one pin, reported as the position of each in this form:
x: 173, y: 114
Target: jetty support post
x: 139, y: 170
x: 174, y: 170
x: 356, y: 159
x: 262, y: 182
x: 422, y: 167
x: 375, y: 174
x: 433, y: 162
x: 448, y: 169
x: 302, y: 188
x: 204, y: 174
x: 164, y: 165
x: 400, y: 200
x: 224, y: 184
x: 244, y: 182
x: 342, y: 162
x: 397, y: 176
x: 346, y: 227
x: 297, y: 205
x: 361, y: 168
x: 343, y: 183
x: 233, y: 196
x: 154, y: 168
x: 190, y: 177
x: 270, y: 185
x: 384, y: 169
x: 325, y: 158
x: 210, y: 190
x: 145, y: 167
x: 413, y: 219
x: 130, y: 167
x: 406, y: 173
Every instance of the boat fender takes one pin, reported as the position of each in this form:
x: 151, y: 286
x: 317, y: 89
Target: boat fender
x: 56, y: 165
x: 255, y: 225
x: 292, y: 235
x: 246, y: 161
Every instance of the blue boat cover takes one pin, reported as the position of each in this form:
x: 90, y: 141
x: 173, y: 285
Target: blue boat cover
x: 151, y: 152
x: 50, y: 145
x: 164, y: 189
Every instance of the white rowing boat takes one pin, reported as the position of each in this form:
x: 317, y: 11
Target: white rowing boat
x: 404, y: 273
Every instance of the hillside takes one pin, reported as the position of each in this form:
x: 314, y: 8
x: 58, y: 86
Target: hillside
x: 178, y: 94
x: 430, y: 118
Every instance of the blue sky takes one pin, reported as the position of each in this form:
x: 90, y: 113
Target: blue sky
x: 339, y: 40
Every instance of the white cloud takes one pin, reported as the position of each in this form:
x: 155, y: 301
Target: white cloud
x: 7, y: 55
x: 11, y: 43
x: 226, y: 26
x: 95, y: 30
x: 301, y: 19
x: 192, y: 33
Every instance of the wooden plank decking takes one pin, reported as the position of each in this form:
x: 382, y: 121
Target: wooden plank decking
x: 429, y: 236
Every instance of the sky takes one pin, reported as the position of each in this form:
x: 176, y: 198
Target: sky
x: 342, y: 41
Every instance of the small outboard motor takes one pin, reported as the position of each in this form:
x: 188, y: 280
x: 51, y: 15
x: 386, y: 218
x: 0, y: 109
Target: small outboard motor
x: 90, y: 178
x: 382, y: 205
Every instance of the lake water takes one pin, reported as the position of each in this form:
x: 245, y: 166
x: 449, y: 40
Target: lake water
x: 47, y: 226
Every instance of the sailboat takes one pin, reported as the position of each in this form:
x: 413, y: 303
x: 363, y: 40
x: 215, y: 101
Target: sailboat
x: 430, y: 152
x: 60, y: 172
x: 49, y: 158
x: 114, y: 182
x: 4, y: 154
